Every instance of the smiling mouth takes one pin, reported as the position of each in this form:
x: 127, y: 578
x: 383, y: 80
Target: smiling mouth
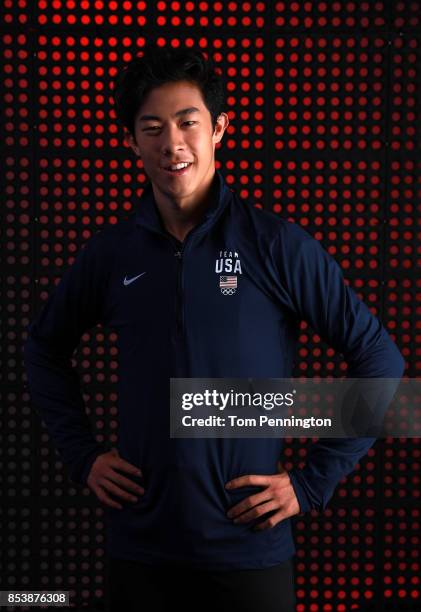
x: 177, y: 172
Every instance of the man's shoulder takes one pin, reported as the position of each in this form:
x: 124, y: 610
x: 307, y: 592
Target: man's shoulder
x: 272, y: 224
x: 112, y: 235
x: 102, y: 247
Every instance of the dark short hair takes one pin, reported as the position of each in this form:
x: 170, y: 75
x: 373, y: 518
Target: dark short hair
x: 159, y: 65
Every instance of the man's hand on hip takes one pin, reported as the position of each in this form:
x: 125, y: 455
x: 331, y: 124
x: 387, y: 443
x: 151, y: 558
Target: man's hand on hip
x: 278, y: 495
x: 103, y: 479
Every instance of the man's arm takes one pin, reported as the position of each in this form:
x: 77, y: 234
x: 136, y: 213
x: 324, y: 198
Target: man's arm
x: 75, y: 305
x: 312, y: 284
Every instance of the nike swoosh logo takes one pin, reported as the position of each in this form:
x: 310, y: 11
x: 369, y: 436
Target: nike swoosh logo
x: 127, y: 281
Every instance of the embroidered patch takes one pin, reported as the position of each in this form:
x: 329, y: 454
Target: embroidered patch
x: 228, y: 285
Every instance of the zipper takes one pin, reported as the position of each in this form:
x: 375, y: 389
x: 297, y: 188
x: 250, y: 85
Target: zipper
x: 179, y: 315
x: 178, y: 254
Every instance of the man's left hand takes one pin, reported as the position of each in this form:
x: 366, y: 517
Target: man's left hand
x: 278, y: 495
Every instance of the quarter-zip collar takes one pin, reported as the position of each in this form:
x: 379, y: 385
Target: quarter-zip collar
x: 148, y: 216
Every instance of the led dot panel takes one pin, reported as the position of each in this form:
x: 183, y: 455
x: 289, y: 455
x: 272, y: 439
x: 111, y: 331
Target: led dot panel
x: 323, y: 102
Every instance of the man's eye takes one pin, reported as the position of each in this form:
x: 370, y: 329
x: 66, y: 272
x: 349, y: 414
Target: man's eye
x: 156, y: 127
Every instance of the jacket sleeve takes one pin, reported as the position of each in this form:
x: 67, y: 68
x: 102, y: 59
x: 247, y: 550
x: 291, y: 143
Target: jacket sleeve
x: 314, y: 289
x: 74, y: 306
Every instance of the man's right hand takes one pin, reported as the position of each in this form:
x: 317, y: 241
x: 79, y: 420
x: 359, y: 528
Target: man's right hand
x: 104, y: 478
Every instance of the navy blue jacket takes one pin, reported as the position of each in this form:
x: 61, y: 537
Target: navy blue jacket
x: 178, y: 319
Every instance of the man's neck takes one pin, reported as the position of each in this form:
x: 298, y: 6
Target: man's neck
x: 179, y: 223
x: 179, y: 219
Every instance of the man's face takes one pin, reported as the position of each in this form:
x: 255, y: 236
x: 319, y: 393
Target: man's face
x: 171, y: 138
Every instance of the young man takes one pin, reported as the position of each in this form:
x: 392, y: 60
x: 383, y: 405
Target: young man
x: 176, y: 532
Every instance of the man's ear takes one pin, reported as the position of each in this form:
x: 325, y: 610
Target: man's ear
x: 130, y: 140
x: 222, y: 123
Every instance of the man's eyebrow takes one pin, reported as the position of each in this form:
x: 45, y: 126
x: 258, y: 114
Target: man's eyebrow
x: 184, y: 111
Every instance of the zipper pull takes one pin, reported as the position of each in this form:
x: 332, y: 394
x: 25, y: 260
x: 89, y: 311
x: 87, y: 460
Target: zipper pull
x: 177, y: 254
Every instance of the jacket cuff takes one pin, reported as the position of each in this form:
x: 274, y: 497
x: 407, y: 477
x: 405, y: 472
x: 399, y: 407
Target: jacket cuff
x: 297, y: 480
x: 79, y: 472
